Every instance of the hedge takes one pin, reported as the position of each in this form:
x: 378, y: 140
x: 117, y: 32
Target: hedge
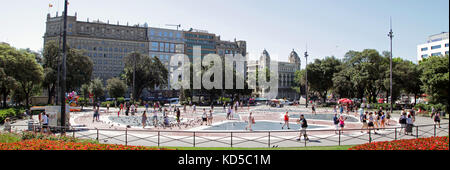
x: 427, y: 107
x: 11, y: 112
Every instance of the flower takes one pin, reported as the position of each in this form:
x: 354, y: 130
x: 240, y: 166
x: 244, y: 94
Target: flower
x: 431, y: 143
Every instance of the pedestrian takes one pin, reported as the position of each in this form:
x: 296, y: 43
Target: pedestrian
x: 204, y: 117
x: 313, y: 107
x: 7, y: 125
x: 121, y: 108
x: 94, y: 117
x: 44, y: 121
x: 388, y: 117
x: 194, y: 108
x: 210, y: 117
x: 409, y: 125
x: 371, y: 124
x: 341, y: 109
x: 98, y: 114
x: 286, y: 121
x: 146, y: 106
x: 383, y: 120
x: 178, y: 117
x: 132, y: 109
x: 402, y: 121
x: 304, y: 125
x: 413, y: 114
x: 127, y: 110
x: 229, y: 113
x: 184, y: 108
x: 155, y: 118
x: 251, y: 121
x: 342, y: 122
x: 144, y: 119
x: 437, y: 118
x: 107, y: 108
x: 336, y: 122
x: 364, y: 122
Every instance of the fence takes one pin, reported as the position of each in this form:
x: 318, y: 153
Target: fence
x: 250, y: 138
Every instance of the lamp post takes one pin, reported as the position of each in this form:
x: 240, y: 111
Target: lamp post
x: 390, y: 35
x: 306, y: 68
x: 63, y: 69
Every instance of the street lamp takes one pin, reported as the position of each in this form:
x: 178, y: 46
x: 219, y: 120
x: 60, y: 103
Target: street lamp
x: 390, y: 35
x: 306, y: 68
x: 63, y: 69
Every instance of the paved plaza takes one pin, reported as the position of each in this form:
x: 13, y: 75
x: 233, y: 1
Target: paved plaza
x: 112, y: 128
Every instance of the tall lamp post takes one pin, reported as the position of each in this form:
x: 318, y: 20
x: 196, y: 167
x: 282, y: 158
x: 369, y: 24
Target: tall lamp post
x: 63, y: 69
x: 306, y: 68
x: 390, y: 35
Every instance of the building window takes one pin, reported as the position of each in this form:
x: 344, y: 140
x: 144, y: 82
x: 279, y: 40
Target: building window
x: 161, y: 46
x: 446, y: 52
x: 436, y: 54
x: 424, y: 49
x: 435, y: 47
x: 154, y: 46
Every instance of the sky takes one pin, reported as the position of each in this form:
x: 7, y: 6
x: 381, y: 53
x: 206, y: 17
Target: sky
x: 323, y: 27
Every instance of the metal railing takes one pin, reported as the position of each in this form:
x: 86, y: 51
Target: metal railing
x: 276, y: 138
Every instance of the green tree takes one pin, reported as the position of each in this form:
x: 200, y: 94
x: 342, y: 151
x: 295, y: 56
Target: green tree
x: 8, y: 69
x: 79, y: 68
x: 116, y: 87
x: 30, y: 74
x: 435, y: 78
x: 320, y: 75
x: 150, y: 72
x: 97, y: 89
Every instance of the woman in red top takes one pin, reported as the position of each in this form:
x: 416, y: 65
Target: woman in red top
x: 286, y: 121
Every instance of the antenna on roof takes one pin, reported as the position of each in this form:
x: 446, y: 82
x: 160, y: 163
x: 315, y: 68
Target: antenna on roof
x: 173, y: 25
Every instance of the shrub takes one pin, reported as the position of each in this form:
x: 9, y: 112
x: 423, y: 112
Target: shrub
x: 111, y: 104
x: 120, y: 100
x: 11, y: 112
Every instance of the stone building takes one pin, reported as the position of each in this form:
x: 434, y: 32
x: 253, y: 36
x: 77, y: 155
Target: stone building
x: 106, y: 44
x: 286, y: 74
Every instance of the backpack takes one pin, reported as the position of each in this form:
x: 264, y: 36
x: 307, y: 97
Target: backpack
x: 336, y: 120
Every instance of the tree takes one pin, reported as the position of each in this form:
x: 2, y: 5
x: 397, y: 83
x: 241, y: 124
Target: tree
x: 435, y: 78
x: 116, y: 87
x: 97, y: 89
x: 150, y: 72
x: 79, y: 68
x: 30, y: 74
x: 320, y: 75
x: 7, y: 71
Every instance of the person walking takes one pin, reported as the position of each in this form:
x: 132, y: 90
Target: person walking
x: 107, y: 108
x: 94, y: 117
x: 44, y: 121
x: 437, y: 118
x: 342, y: 122
x: 364, y: 122
x: 409, y: 125
x: 313, y: 108
x: 251, y: 121
x: 304, y: 125
x: 155, y: 118
x: 178, y: 117
x: 121, y: 109
x: 286, y: 121
x: 402, y: 121
x: 146, y: 106
x: 370, y: 123
x: 383, y: 120
x: 210, y: 117
x: 204, y: 117
x: 336, y: 122
x: 341, y: 109
x: 144, y: 119
x: 229, y: 113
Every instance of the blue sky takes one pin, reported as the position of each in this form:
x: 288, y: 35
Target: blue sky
x: 328, y: 27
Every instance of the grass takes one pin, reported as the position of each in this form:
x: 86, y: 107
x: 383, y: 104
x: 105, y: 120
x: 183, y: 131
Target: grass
x: 343, y: 147
x: 9, y: 138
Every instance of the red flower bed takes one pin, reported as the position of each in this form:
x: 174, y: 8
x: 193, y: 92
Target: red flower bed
x: 38, y: 144
x: 432, y: 143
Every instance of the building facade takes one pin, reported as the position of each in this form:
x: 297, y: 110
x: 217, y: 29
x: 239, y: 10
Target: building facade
x: 286, y: 74
x: 436, y: 45
x: 106, y: 44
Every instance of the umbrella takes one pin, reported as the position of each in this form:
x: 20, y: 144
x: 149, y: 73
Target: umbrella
x: 345, y: 100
